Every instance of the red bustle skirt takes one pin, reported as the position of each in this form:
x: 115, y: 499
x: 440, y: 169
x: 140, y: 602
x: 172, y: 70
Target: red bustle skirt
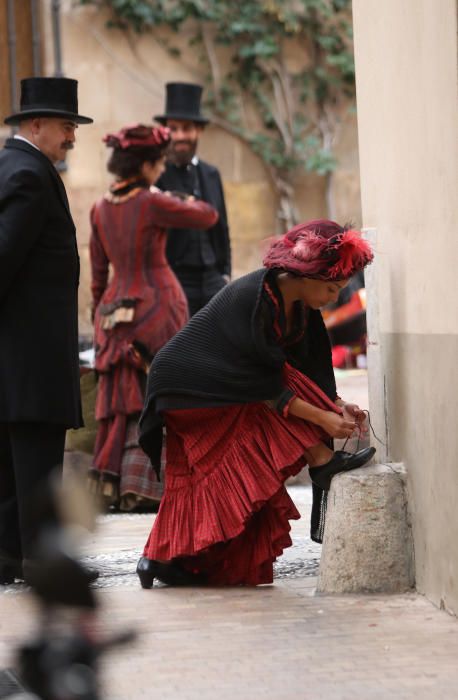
x: 225, y: 510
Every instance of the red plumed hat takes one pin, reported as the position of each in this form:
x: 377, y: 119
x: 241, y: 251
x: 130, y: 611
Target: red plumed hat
x: 320, y: 249
x: 138, y: 135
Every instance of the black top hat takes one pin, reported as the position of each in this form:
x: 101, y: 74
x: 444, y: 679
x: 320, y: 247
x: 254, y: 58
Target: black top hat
x: 48, y: 97
x: 182, y: 102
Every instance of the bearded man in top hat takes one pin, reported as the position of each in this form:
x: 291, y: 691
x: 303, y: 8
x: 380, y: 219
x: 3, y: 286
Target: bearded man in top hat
x: 200, y: 259
x: 39, y: 276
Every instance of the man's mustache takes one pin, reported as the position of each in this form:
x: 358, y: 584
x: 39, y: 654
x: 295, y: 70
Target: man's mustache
x: 68, y: 145
x: 183, y: 143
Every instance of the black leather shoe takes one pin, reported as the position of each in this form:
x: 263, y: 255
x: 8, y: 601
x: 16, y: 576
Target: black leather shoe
x: 341, y: 462
x: 147, y: 571
x: 171, y: 573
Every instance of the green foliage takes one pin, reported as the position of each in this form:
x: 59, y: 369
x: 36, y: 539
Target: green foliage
x: 293, y: 104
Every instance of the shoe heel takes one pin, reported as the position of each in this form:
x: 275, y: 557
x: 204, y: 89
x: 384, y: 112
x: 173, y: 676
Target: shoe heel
x: 146, y: 572
x: 146, y: 581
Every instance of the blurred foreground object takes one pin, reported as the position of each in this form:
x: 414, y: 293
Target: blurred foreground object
x: 60, y: 662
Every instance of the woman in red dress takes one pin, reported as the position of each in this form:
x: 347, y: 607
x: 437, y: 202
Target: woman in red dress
x: 138, y: 309
x: 248, y: 397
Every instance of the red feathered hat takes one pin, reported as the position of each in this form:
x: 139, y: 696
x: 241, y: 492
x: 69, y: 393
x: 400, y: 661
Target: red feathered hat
x: 138, y: 135
x: 320, y: 249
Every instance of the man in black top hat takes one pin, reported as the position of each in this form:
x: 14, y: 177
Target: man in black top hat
x: 201, y: 259
x: 39, y: 275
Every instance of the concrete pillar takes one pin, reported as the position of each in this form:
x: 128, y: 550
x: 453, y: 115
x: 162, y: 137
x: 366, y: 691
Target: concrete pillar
x: 367, y: 546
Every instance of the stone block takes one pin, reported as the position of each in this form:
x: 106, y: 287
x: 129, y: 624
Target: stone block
x: 367, y: 546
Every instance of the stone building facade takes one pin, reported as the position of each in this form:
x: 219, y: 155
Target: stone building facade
x: 121, y: 82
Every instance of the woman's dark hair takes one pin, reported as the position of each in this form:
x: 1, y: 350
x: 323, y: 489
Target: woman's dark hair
x: 126, y: 163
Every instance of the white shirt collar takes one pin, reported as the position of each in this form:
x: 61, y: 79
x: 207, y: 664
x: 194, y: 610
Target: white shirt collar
x: 195, y: 160
x: 22, y: 138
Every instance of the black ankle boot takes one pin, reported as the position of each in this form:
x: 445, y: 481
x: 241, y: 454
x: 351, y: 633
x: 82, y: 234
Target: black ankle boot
x: 341, y: 462
x: 147, y: 571
x: 171, y: 573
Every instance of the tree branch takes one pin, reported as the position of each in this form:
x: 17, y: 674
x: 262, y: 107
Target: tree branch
x: 212, y: 58
x: 279, y: 119
x: 284, y: 189
x: 264, y: 79
x: 279, y: 68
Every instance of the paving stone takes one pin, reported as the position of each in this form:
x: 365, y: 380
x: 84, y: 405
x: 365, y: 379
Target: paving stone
x: 278, y: 642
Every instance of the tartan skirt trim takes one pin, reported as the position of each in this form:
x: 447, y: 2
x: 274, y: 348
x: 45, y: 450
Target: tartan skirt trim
x: 122, y: 473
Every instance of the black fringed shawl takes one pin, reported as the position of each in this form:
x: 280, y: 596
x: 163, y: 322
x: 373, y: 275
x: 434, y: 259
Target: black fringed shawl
x: 228, y: 354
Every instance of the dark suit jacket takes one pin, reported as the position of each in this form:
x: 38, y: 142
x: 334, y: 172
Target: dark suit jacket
x: 39, y: 275
x: 212, y: 192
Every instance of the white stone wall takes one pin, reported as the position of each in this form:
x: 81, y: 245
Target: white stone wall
x: 122, y: 82
x: 406, y: 72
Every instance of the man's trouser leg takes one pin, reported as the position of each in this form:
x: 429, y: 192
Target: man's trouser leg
x: 200, y: 285
x: 10, y: 537
x: 30, y: 452
x: 190, y: 279
x: 212, y: 282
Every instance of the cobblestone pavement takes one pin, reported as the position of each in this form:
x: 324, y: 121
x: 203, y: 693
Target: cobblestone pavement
x: 278, y: 642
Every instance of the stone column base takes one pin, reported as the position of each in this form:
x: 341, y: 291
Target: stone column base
x: 367, y: 545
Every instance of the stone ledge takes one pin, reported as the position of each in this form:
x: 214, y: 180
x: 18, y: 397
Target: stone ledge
x: 367, y: 545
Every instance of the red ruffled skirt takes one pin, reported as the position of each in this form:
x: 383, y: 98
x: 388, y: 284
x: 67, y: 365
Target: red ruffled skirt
x: 225, y: 510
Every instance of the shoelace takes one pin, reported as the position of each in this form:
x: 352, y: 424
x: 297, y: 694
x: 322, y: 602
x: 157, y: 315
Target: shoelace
x: 358, y: 428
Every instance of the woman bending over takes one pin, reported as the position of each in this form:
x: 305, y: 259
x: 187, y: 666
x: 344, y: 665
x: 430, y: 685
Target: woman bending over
x: 247, y: 394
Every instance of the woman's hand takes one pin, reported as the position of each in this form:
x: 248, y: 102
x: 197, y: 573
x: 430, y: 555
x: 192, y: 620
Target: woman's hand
x: 352, y: 411
x: 337, y: 426
x: 334, y: 424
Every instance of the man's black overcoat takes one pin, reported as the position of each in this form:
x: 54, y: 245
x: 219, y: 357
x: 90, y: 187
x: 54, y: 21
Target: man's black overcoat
x: 212, y: 192
x: 39, y: 275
